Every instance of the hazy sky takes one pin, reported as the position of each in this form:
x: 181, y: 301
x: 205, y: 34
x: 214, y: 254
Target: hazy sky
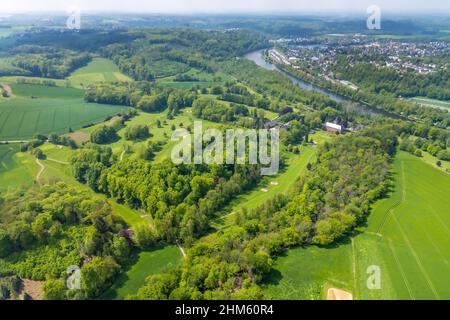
x: 227, y: 6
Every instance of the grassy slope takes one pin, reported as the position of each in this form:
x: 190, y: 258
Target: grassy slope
x: 148, y: 263
x: 98, y: 70
x: 432, y: 102
x: 16, y: 169
x: 414, y: 223
x: 406, y: 236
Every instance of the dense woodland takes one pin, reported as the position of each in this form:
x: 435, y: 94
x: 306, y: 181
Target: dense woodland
x: 46, y: 62
x: 333, y: 197
x: 61, y: 224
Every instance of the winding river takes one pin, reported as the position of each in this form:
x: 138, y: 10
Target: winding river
x: 258, y: 58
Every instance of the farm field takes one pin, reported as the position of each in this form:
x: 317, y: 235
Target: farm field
x: 39, y: 109
x: 406, y: 236
x: 98, y: 70
x: 148, y: 263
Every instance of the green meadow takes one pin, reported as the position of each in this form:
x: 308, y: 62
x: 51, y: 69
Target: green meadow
x: 98, y: 70
x: 432, y: 102
x: 16, y: 169
x: 147, y: 264
x: 40, y: 109
x: 406, y: 235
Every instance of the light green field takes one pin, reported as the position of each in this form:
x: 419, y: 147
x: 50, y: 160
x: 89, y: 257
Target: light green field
x: 98, y: 70
x: 39, y: 109
x: 15, y: 79
x: 16, y: 169
x: 148, y: 263
x: 406, y: 236
x: 432, y: 102
x: 6, y: 31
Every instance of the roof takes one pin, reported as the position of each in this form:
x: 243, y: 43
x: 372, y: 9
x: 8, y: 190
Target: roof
x: 333, y: 125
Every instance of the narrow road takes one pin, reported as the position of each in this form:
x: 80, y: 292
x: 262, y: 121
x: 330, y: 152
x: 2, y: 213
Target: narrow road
x: 13, y: 141
x: 58, y: 161
x: 38, y: 176
x: 121, y: 155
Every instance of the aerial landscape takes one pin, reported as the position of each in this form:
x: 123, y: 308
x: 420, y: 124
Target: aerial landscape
x: 276, y: 153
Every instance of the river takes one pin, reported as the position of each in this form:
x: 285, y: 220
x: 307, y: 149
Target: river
x: 258, y: 58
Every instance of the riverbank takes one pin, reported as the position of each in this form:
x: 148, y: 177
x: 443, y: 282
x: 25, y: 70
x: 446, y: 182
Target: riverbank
x: 348, y: 103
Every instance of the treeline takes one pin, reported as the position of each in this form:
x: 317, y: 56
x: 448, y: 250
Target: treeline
x: 141, y: 95
x: 419, y: 137
x: 331, y: 199
x: 48, y: 62
x: 181, y: 199
x: 164, y: 52
x: 44, y: 230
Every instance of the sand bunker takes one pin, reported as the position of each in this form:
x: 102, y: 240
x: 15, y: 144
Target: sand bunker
x: 336, y: 294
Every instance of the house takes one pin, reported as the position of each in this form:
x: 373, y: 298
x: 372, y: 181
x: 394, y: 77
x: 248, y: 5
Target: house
x: 272, y: 124
x: 285, y: 111
x: 333, y: 128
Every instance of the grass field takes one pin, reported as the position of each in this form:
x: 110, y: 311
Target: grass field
x: 432, y: 103
x: 148, y: 263
x: 39, y: 109
x: 16, y: 169
x: 98, y: 70
x: 406, y: 236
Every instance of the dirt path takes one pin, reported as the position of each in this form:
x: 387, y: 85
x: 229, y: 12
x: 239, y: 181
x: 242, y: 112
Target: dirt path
x: 7, y: 89
x: 58, y: 161
x: 38, y: 176
x: 33, y: 288
x: 121, y: 155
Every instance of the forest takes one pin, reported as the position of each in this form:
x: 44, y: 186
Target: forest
x: 333, y: 197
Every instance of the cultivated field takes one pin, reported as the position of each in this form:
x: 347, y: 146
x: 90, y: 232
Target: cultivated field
x: 406, y: 236
x: 39, y: 109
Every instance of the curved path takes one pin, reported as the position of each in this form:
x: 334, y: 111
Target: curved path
x: 38, y: 176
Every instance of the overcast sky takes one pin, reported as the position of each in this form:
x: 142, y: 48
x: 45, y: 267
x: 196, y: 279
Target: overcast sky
x: 227, y: 6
